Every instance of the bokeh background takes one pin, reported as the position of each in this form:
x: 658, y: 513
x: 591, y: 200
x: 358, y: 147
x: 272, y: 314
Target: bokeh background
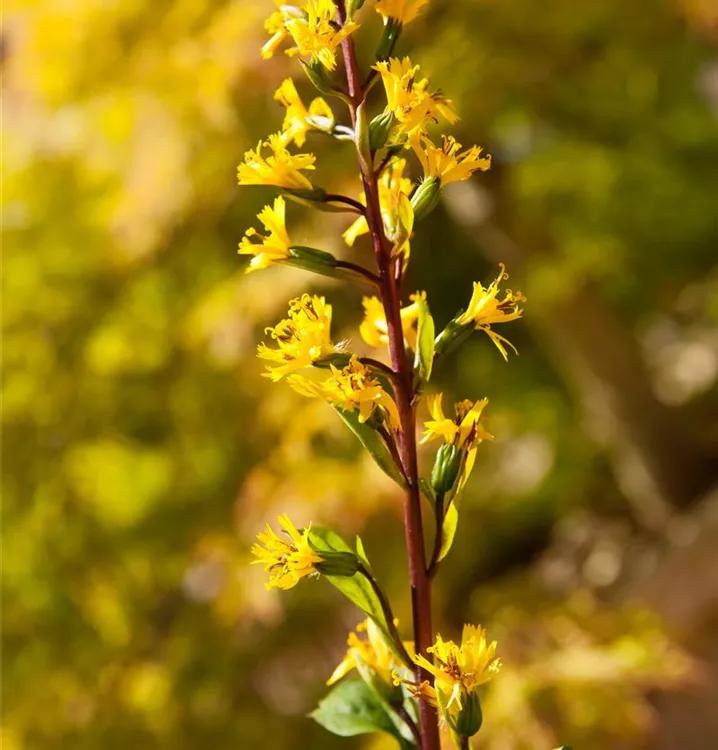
x: 142, y: 449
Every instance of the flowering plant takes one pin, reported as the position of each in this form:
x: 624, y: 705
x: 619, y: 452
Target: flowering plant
x: 408, y: 689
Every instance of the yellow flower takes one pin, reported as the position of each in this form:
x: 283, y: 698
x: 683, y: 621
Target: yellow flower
x: 408, y: 99
x: 460, y: 670
x: 465, y: 431
x: 313, y: 29
x: 403, y: 11
x: 353, y: 388
x: 288, y: 560
x: 485, y: 309
x: 298, y: 120
x: 280, y: 169
x: 302, y: 338
x: 374, y: 329
x: 267, y: 249
x: 396, y: 211
x: 446, y: 164
x: 372, y: 650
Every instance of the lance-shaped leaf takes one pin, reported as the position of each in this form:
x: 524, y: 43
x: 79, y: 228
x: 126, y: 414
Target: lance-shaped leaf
x: 353, y: 708
x: 424, y: 356
x: 448, y: 529
x: 374, y: 443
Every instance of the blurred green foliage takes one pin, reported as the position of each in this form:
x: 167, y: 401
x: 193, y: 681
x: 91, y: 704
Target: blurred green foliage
x: 142, y: 449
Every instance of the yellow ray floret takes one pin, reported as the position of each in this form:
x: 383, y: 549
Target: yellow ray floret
x: 459, y: 670
x: 396, y: 211
x: 352, y: 388
x: 409, y: 100
x: 313, y: 29
x: 302, y: 338
x: 485, y: 308
x: 372, y: 651
x: 403, y: 11
x: 286, y: 560
x: 271, y: 248
x: 448, y: 163
x: 298, y: 119
x: 280, y: 168
x: 374, y: 329
x: 465, y: 431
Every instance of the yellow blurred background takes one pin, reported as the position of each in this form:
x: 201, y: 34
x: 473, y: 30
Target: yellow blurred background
x: 142, y: 449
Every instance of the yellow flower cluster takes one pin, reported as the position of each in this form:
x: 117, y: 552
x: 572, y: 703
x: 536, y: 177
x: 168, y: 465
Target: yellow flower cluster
x: 351, y: 388
x: 403, y: 11
x: 485, y: 308
x: 280, y: 168
x: 312, y: 29
x: 409, y: 100
x: 457, y: 670
x: 465, y: 431
x: 374, y: 329
x: 298, y: 120
x: 373, y: 651
x: 271, y: 248
x: 446, y: 164
x: 303, y: 338
x: 286, y: 560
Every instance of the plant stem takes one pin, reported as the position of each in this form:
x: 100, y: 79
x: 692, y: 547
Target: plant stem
x: 346, y: 200
x: 390, y: 287
x: 372, y: 278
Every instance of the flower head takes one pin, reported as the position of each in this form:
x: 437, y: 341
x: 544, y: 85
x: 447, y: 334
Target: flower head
x: 446, y: 164
x: 351, y: 388
x: 396, y: 211
x: 485, y: 308
x: 374, y: 329
x: 280, y: 169
x: 312, y: 28
x: 302, y: 338
x: 298, y: 119
x: 465, y: 431
x: 459, y: 670
x: 403, y: 11
x: 372, y: 651
x: 286, y: 560
x: 273, y: 247
x: 409, y: 100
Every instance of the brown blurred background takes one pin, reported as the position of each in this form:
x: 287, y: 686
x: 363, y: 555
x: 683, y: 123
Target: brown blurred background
x: 143, y: 450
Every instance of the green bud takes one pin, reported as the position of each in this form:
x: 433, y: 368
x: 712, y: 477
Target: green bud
x: 353, y: 6
x: 426, y: 198
x: 379, y: 129
x: 311, y: 259
x: 318, y: 75
x: 392, y: 31
x: 470, y: 717
x: 316, y: 194
x: 361, y: 136
x: 446, y: 468
x: 452, y: 336
x: 342, y: 564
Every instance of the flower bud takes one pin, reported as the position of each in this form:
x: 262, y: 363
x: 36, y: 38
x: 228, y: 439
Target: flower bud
x: 446, y: 468
x: 311, y: 259
x: 337, y: 563
x: 353, y: 6
x: 338, y: 359
x: 361, y: 136
x: 426, y: 198
x: 316, y: 194
x: 379, y: 129
x: 469, y: 719
x: 454, y: 334
x: 392, y: 31
x: 318, y: 75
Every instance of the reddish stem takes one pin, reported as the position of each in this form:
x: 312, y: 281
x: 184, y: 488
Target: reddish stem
x: 390, y: 288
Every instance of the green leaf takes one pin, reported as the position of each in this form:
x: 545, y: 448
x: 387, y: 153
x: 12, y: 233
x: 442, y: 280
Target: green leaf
x: 361, y: 554
x: 424, y: 356
x: 448, y: 529
x: 353, y: 708
x: 374, y: 443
